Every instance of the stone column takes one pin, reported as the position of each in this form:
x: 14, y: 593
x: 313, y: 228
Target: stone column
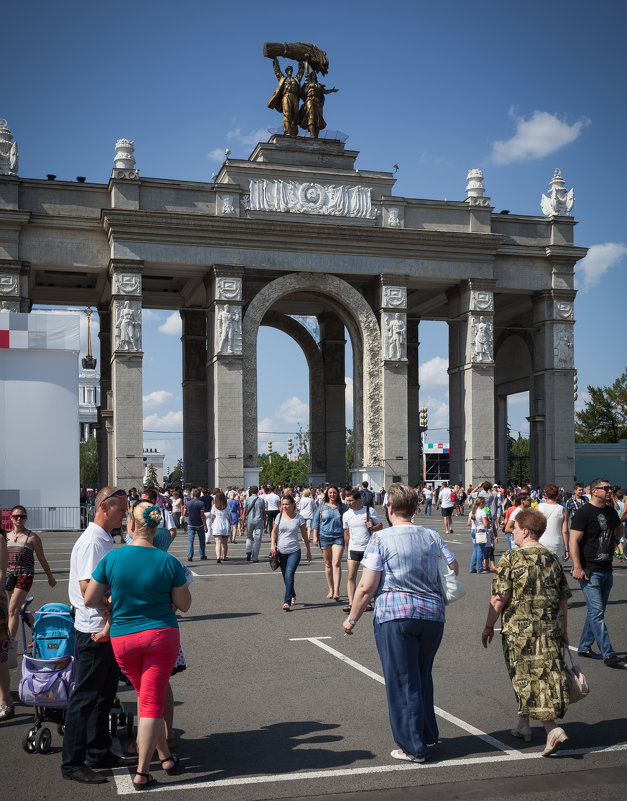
x: 394, y: 385
x: 413, y: 402
x: 104, y: 336
x: 500, y: 445
x: 552, y: 405
x: 225, y: 399
x: 14, y: 286
x: 126, y: 372
x: 332, y: 347
x: 471, y: 382
x: 194, y: 344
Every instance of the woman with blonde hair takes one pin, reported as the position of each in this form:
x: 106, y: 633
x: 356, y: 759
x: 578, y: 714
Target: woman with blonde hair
x: 284, y: 541
x: 306, y: 506
x: 234, y: 511
x: 147, y: 586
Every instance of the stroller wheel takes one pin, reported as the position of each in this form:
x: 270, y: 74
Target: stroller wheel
x: 28, y: 742
x: 43, y: 741
x: 60, y: 729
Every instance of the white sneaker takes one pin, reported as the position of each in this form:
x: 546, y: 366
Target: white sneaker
x: 398, y: 754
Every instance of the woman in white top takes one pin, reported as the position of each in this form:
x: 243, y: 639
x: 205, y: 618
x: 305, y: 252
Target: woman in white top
x: 555, y: 537
x: 306, y: 506
x: 220, y: 525
x: 176, y: 508
x: 284, y: 540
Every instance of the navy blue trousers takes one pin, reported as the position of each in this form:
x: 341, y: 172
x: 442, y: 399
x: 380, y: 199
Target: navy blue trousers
x: 407, y: 648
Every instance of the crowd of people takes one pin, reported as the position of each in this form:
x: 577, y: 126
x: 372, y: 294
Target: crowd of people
x: 126, y: 599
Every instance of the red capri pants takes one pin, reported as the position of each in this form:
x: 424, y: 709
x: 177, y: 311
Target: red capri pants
x: 147, y: 658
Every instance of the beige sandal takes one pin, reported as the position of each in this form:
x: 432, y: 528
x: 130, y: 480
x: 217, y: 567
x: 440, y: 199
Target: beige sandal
x: 554, y: 739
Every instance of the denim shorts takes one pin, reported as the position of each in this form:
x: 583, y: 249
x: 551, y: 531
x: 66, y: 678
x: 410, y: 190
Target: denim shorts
x: 331, y: 539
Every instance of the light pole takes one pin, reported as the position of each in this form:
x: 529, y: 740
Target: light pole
x: 270, y: 450
x: 424, y: 421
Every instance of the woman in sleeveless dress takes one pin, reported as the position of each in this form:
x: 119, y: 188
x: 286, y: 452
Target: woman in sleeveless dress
x: 555, y: 537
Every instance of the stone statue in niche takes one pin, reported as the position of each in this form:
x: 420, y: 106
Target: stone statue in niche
x: 395, y: 337
x: 229, y: 325
x: 482, y: 340
x: 564, y: 348
x: 228, y: 209
x: 393, y: 220
x: 128, y: 327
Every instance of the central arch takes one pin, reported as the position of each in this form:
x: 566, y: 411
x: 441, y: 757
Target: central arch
x: 363, y: 327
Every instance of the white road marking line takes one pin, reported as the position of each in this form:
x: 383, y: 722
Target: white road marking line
x: 124, y: 781
x: 487, y: 738
x: 251, y: 573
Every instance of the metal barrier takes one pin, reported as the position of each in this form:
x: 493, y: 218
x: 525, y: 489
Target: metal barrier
x: 59, y: 518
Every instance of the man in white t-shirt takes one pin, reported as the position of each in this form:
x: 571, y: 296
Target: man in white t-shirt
x: 359, y: 523
x: 446, y: 504
x: 273, y: 504
x: 86, y: 740
x: 427, y: 494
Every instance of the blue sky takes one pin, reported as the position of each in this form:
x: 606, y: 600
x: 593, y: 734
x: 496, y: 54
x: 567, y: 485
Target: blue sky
x: 516, y: 89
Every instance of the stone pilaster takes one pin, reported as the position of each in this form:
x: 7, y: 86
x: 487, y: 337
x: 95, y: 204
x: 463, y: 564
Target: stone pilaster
x: 104, y: 336
x: 14, y: 286
x: 552, y: 405
x: 394, y: 385
x: 194, y: 347
x: 225, y: 399
x: 332, y: 347
x: 471, y: 382
x: 413, y: 402
x: 126, y: 372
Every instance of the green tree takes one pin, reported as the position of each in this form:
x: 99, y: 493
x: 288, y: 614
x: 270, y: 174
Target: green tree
x: 604, y: 417
x: 151, y: 476
x: 518, y: 466
x: 176, y: 477
x: 88, y: 459
x: 281, y: 470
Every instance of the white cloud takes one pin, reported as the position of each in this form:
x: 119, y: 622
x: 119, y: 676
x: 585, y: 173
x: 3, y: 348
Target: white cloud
x: 217, y: 154
x: 149, y: 314
x: 293, y: 411
x: 599, y: 259
x: 582, y: 400
x: 348, y: 395
x: 539, y: 136
x: 434, y: 373
x: 171, y: 421
x: 157, y: 398
x: 172, y: 325
x: 252, y: 138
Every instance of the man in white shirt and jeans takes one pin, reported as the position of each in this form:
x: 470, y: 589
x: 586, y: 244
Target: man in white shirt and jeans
x: 446, y: 504
x: 87, y: 741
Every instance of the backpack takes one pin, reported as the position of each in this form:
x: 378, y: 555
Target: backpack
x: 366, y: 497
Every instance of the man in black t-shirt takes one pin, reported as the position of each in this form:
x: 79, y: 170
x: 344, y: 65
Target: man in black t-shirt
x: 595, y: 530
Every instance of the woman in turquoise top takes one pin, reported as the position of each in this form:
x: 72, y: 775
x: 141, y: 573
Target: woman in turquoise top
x: 145, y: 583
x: 328, y: 530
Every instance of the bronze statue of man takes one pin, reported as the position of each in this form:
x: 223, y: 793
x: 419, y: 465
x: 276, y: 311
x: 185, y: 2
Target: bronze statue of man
x: 287, y: 96
x: 310, y: 117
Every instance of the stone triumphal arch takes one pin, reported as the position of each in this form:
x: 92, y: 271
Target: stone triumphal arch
x: 296, y: 230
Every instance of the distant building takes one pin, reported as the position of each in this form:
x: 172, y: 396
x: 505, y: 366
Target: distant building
x: 154, y: 457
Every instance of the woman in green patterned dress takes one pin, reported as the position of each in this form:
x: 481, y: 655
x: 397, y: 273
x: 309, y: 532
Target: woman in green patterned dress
x: 531, y: 593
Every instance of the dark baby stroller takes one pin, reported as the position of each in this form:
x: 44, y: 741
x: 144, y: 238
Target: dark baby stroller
x: 48, y: 674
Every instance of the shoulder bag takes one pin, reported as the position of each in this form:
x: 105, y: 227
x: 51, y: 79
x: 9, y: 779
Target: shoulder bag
x: 450, y: 586
x: 578, y: 686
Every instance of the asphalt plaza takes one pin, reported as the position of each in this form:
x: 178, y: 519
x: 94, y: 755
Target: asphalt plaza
x: 282, y: 705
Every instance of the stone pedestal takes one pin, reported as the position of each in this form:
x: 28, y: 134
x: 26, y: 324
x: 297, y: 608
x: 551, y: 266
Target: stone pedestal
x: 471, y: 383
x: 126, y: 373
x: 332, y: 347
x: 552, y: 405
x: 225, y: 404
x: 194, y: 346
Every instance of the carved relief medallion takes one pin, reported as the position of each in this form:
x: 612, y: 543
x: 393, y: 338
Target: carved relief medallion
x: 127, y: 284
x: 228, y: 288
x: 564, y: 309
x: 480, y: 300
x: 393, y: 220
x: 395, y: 296
x: 8, y: 284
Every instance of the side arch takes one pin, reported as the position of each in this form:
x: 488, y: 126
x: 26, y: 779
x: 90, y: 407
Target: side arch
x: 363, y: 328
